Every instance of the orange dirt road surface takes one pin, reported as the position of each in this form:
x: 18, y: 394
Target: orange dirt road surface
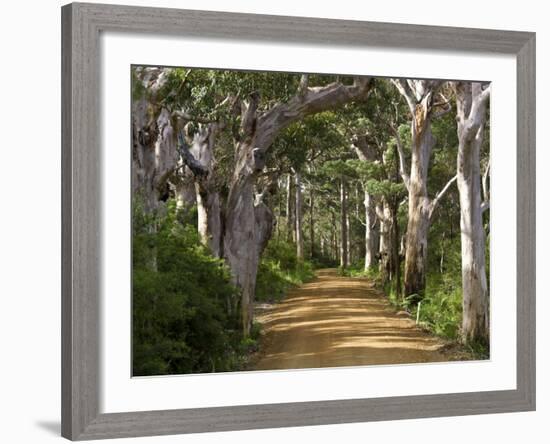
x: 338, y: 321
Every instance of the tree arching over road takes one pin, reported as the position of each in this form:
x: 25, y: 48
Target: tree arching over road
x: 340, y: 167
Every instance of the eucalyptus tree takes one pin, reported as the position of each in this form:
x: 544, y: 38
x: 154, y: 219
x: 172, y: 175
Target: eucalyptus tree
x: 371, y: 129
x: 344, y: 172
x: 426, y: 103
x: 260, y: 125
x: 382, y: 184
x: 366, y: 152
x: 154, y: 152
x: 472, y: 99
x: 253, y: 109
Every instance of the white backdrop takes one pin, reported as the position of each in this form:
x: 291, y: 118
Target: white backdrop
x: 30, y: 225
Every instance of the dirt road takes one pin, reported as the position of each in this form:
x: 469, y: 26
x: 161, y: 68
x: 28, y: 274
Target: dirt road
x: 337, y: 321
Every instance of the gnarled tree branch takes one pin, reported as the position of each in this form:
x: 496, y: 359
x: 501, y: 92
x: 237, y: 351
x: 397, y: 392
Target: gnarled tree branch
x: 402, y: 162
x: 406, y: 91
x: 312, y: 100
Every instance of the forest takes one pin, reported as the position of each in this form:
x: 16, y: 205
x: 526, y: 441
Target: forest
x: 248, y: 187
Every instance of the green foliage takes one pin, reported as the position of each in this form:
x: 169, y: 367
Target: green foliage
x: 279, y: 270
x: 314, y: 135
x: 138, y: 90
x: 386, y: 188
x: 357, y: 269
x: 180, y: 305
x: 182, y: 296
x: 441, y: 308
x: 340, y: 168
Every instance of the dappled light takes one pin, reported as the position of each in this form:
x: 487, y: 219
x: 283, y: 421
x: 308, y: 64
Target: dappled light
x: 337, y: 321
x: 285, y: 220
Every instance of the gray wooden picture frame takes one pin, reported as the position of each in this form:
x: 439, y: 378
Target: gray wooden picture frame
x: 81, y: 167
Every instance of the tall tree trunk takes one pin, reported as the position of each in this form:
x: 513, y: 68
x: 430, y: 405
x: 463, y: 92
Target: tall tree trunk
x: 416, y: 253
x: 289, y: 209
x: 419, y: 95
x: 334, y: 237
x: 299, y: 218
x: 396, y: 262
x: 199, y: 158
x: 154, y: 154
x: 383, y: 246
x: 366, y: 153
x: 370, y: 232
x: 209, y: 220
x: 248, y: 228
x: 343, y: 225
x: 471, y: 110
x: 348, y: 237
x: 311, y: 224
x: 386, y: 240
x: 208, y: 199
x: 386, y: 211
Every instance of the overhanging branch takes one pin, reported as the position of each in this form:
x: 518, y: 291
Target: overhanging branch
x: 435, y: 202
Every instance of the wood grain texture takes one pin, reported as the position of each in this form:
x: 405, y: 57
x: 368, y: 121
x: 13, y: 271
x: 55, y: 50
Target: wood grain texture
x: 81, y: 231
x: 120, y: 425
x: 66, y: 224
x: 526, y: 222
x: 259, y: 27
x: 81, y: 222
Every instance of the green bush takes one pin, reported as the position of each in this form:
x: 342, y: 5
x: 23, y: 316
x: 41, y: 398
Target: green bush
x: 181, y: 299
x: 279, y: 270
x: 357, y: 269
x: 441, y: 308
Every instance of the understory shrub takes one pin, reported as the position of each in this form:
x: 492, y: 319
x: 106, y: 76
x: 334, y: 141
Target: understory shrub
x: 181, y: 300
x: 279, y: 270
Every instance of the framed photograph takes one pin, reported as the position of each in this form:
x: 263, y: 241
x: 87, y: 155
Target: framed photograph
x: 278, y: 221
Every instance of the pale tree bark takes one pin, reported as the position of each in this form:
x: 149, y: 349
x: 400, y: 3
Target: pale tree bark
x: 299, y: 217
x: 348, y: 236
x: 366, y: 153
x: 185, y: 192
x: 334, y: 237
x: 343, y: 225
x: 225, y: 238
x: 420, y: 96
x: 472, y: 101
x: 200, y: 159
x: 248, y: 228
x: 394, y: 208
x: 386, y: 249
x: 386, y: 212
x: 289, y: 210
x: 371, y: 233
x: 395, y: 258
x: 311, y: 223
x: 154, y: 151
